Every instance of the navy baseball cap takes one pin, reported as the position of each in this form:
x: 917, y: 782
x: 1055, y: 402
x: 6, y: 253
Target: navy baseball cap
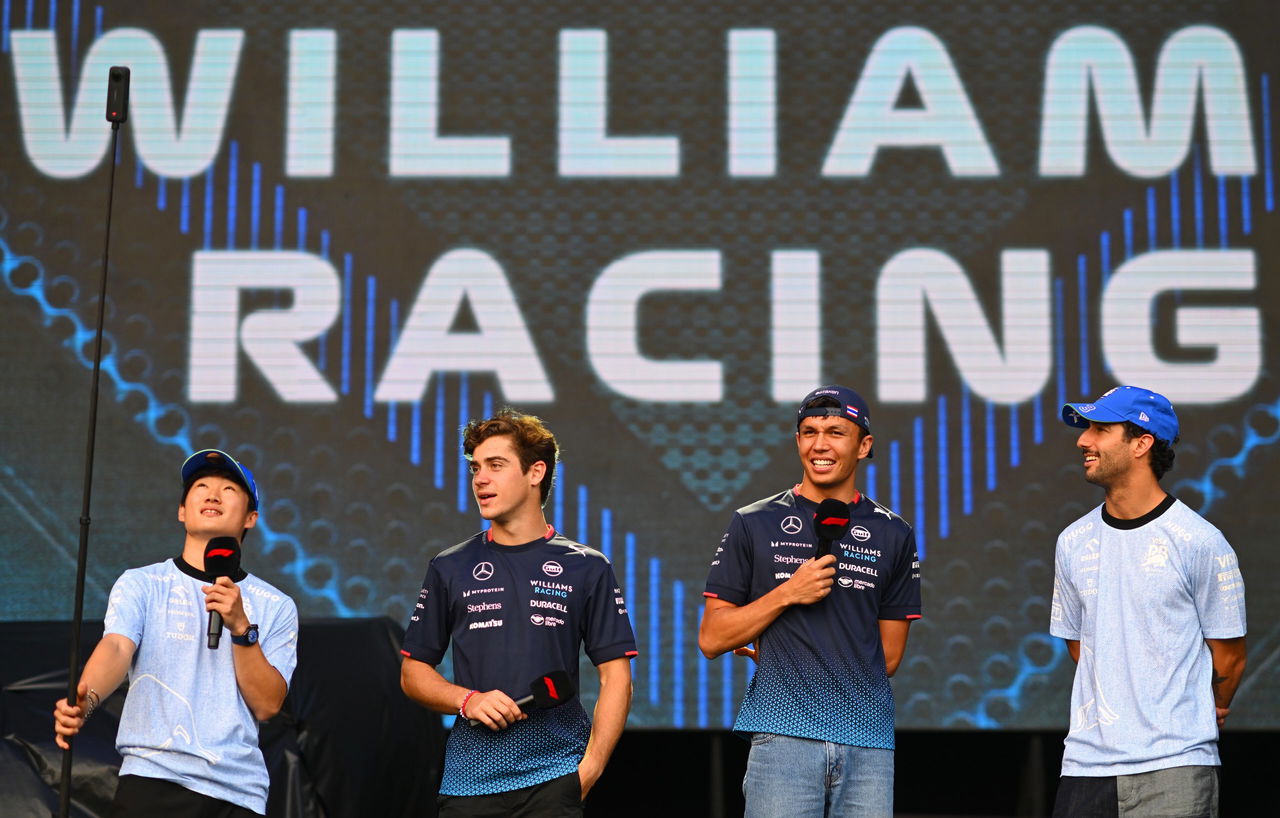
x: 1142, y: 407
x: 852, y: 407
x: 216, y: 459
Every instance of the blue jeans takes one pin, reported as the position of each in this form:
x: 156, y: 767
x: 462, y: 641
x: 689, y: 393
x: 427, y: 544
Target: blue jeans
x: 790, y: 777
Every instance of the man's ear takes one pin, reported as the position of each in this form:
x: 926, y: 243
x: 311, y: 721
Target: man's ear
x: 182, y: 513
x: 251, y: 520
x: 536, y: 472
x: 864, y: 446
x: 1143, y: 444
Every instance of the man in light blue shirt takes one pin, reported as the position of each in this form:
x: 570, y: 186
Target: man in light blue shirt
x: 1150, y: 600
x: 189, y: 730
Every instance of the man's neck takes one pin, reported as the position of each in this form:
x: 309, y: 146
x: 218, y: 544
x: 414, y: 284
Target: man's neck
x: 1134, y: 498
x: 845, y: 492
x: 193, y: 551
x: 523, y: 526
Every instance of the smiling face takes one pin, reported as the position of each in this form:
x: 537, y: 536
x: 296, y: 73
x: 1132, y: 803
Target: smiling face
x: 830, y: 448
x: 1109, y: 458
x: 503, y: 492
x: 216, y: 507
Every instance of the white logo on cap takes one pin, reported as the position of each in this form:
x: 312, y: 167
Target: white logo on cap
x: 792, y: 525
x: 1143, y: 416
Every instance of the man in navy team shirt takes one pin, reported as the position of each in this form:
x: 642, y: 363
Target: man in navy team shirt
x: 828, y: 632
x: 518, y: 601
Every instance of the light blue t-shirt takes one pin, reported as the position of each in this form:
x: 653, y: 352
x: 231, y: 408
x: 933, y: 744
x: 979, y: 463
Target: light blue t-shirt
x: 184, y: 719
x: 1141, y: 596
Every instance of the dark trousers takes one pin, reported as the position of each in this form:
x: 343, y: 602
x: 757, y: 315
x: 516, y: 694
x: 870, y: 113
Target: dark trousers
x: 139, y: 797
x: 551, y: 799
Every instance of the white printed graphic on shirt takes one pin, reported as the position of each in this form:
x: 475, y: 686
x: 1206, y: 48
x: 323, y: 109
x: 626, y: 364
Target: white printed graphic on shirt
x: 1096, y: 710
x: 185, y: 729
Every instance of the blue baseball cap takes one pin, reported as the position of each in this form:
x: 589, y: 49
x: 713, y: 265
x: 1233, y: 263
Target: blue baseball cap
x: 852, y: 407
x: 1141, y: 407
x: 216, y: 459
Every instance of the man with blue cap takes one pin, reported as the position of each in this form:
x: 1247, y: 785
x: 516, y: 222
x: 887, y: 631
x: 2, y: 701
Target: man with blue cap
x: 189, y: 730
x: 829, y: 629
x: 1149, y: 597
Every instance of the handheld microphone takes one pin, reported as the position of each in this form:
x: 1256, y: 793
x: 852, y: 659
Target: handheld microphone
x: 221, y: 559
x: 831, y: 522
x: 547, y: 691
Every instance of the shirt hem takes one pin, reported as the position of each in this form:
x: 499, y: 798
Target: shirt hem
x: 551, y: 774
x: 1196, y: 758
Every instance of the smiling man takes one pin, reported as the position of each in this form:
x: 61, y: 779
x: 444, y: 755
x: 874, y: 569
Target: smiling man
x: 517, y: 602
x: 189, y: 730
x: 1150, y: 600
x: 828, y: 632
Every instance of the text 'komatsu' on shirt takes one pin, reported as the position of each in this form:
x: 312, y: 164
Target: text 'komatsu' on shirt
x: 820, y: 672
x: 1141, y: 596
x: 514, y: 613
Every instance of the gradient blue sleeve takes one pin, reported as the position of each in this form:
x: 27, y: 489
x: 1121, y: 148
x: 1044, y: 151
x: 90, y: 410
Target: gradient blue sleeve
x: 901, y: 596
x: 608, y: 633
x: 427, y: 637
x: 730, y: 575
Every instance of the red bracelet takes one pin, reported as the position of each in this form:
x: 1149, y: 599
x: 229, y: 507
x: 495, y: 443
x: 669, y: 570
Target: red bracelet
x: 462, y: 708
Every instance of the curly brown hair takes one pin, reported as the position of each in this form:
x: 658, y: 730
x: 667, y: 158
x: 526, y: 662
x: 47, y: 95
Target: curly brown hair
x: 533, y: 441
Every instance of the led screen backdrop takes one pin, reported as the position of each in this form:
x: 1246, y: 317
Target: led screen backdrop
x: 343, y: 228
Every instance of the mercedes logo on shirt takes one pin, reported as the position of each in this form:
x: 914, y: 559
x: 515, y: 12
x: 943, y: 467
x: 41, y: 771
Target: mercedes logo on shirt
x: 792, y: 525
x: 482, y: 571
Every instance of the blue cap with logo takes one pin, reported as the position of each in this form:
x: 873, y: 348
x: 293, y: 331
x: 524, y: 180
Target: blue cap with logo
x: 852, y: 407
x: 216, y: 459
x: 1142, y: 407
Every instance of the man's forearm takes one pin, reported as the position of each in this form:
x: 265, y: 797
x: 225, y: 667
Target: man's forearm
x: 424, y: 684
x: 261, y: 685
x: 610, y: 717
x: 1228, y: 656
x: 108, y: 665
x: 727, y: 626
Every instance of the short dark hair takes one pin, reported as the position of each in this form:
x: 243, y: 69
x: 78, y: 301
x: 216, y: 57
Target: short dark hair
x: 227, y: 474
x: 1162, y: 453
x: 533, y: 441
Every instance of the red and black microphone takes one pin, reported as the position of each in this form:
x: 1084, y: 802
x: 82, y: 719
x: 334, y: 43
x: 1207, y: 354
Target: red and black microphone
x: 549, y: 690
x: 832, y: 523
x: 221, y: 559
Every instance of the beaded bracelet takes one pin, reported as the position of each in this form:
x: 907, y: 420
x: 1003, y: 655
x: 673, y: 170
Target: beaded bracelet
x: 462, y: 708
x: 92, y: 703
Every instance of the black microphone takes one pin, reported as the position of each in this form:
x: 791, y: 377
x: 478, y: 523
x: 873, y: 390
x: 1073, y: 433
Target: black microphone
x: 831, y: 522
x: 545, y: 692
x: 118, y: 94
x: 221, y: 559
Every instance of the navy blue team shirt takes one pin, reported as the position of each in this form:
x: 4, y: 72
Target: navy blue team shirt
x: 514, y: 613
x: 821, y: 672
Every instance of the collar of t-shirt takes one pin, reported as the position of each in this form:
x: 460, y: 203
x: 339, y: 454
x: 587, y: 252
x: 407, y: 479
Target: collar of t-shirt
x: 204, y: 576
x: 1138, y: 522
x: 812, y: 505
x: 525, y: 546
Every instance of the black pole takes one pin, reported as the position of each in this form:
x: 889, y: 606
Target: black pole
x: 117, y: 112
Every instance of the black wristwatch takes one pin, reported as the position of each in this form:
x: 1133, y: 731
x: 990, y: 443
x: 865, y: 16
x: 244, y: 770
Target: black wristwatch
x: 247, y: 639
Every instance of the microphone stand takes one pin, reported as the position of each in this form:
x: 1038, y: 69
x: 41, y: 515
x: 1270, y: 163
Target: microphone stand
x: 117, y: 112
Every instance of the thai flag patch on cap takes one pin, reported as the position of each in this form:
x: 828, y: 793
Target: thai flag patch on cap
x: 852, y: 411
